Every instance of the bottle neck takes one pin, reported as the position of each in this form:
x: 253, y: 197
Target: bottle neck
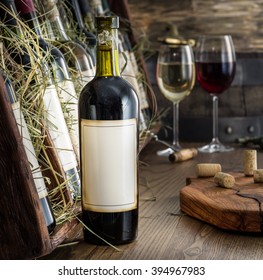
x: 56, y: 30
x: 27, y: 12
x: 64, y: 17
x: 107, y: 53
x: 7, y: 12
x: 11, y: 29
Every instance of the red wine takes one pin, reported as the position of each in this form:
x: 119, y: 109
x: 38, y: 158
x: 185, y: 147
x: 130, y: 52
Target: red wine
x: 108, y: 111
x: 215, y: 77
x: 108, y: 98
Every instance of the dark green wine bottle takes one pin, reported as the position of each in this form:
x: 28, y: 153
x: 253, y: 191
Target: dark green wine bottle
x: 109, y: 118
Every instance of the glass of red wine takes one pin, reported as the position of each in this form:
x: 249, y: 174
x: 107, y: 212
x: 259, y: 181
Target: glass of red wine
x: 215, y: 67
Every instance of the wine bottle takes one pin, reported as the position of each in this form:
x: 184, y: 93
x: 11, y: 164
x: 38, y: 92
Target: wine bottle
x: 128, y: 64
x: 10, y: 28
x: 55, y: 121
x: 62, y: 78
x: 109, y: 117
x: 79, y: 61
x: 86, y: 39
x: 31, y: 155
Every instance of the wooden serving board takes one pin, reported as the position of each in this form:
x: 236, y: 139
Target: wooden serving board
x: 237, y: 209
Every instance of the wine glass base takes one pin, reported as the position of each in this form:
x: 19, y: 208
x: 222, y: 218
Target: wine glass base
x: 215, y: 148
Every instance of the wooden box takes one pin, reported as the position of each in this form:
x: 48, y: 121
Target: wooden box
x: 23, y: 232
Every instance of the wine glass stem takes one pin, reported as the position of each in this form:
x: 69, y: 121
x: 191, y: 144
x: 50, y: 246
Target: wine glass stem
x: 215, y: 118
x: 176, y: 124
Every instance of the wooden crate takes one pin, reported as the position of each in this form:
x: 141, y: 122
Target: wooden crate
x: 23, y: 232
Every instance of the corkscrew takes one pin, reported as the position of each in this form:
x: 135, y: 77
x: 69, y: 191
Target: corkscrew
x: 155, y: 137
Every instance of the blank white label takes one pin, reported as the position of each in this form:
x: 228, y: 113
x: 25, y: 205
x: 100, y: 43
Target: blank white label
x: 30, y: 151
x: 109, y: 165
x: 58, y: 130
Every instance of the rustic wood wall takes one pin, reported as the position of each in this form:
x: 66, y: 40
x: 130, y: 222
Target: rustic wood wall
x: 243, y: 19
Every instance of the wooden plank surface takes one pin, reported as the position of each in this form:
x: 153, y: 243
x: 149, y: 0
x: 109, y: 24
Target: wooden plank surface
x: 164, y: 231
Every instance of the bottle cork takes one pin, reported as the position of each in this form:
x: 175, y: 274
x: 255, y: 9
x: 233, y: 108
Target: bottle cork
x: 183, y: 155
x: 258, y: 175
x: 224, y: 180
x: 207, y: 169
x: 250, y: 162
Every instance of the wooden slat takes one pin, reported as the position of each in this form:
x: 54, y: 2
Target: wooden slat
x: 54, y: 171
x: 62, y: 232
x: 23, y: 231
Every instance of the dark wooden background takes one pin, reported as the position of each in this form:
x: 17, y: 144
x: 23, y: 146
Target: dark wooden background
x: 241, y: 19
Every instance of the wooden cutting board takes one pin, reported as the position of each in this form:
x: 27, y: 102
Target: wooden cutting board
x: 238, y: 209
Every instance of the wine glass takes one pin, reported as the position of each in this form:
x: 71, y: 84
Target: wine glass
x: 215, y: 66
x: 175, y: 76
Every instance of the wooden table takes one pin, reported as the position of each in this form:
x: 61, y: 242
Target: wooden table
x: 164, y: 231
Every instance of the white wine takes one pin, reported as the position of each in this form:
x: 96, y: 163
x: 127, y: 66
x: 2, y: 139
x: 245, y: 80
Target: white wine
x: 109, y: 118
x: 176, y: 80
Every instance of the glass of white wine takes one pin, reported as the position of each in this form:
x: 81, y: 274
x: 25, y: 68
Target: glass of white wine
x: 175, y: 75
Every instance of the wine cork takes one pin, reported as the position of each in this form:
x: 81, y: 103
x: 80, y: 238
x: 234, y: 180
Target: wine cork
x: 183, y: 155
x: 207, y: 169
x: 250, y: 162
x: 224, y: 180
x: 258, y: 175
